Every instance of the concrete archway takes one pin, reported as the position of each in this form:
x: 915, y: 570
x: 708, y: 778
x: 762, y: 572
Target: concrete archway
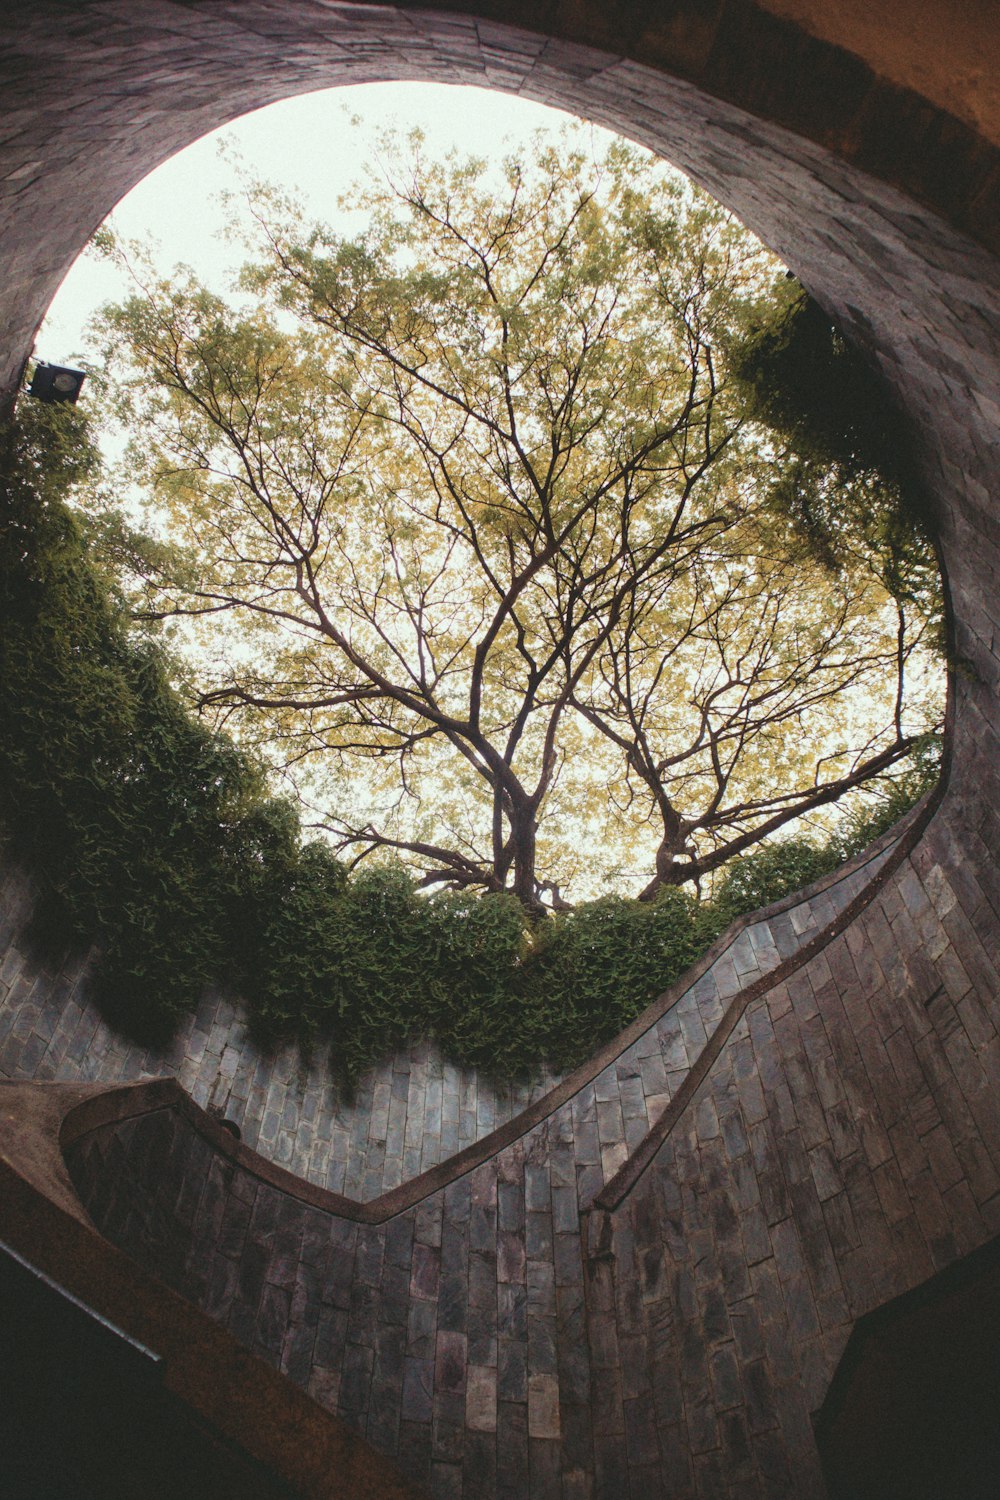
x: 845, y: 1140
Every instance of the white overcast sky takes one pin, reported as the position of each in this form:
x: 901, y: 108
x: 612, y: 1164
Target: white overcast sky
x: 315, y: 143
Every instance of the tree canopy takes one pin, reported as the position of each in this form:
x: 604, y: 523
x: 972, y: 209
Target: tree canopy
x: 479, y: 536
x: 154, y: 844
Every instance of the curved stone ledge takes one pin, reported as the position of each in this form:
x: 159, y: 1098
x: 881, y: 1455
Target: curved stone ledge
x: 843, y: 1145
x: 607, y: 1073
x: 877, y: 870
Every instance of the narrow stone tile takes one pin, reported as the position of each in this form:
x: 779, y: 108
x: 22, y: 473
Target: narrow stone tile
x: 543, y: 1406
x: 481, y: 1398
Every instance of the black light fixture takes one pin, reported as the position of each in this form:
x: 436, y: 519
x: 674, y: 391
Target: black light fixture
x: 55, y: 382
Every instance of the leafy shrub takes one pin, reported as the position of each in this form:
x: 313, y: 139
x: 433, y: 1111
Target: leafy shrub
x: 848, y: 474
x: 770, y: 872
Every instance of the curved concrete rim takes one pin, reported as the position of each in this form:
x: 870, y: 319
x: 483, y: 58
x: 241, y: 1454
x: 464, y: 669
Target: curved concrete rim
x: 766, y: 60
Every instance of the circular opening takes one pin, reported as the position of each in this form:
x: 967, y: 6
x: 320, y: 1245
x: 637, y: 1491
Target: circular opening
x: 579, y: 819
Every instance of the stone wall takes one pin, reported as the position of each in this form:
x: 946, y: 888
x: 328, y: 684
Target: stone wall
x: 404, y: 1116
x: 506, y: 1334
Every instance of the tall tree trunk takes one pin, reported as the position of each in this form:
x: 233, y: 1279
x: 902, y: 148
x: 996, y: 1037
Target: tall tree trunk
x: 523, y: 829
x: 674, y: 842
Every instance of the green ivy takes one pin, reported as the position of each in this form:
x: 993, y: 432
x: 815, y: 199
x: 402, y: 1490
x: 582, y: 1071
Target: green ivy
x: 156, y: 839
x: 849, y: 467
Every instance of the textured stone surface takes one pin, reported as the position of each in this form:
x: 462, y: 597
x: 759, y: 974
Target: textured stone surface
x: 844, y: 1146
x: 846, y: 1139
x: 406, y: 1116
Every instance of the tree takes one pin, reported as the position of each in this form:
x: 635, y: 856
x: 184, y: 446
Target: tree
x: 757, y: 655
x: 484, y: 516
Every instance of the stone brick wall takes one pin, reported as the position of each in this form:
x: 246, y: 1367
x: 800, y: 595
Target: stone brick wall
x: 836, y: 1141
x: 502, y: 1335
x: 497, y: 1340
x: 404, y: 1117
x: 845, y: 1147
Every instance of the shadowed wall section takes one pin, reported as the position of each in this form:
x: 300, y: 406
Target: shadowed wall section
x: 844, y: 1143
